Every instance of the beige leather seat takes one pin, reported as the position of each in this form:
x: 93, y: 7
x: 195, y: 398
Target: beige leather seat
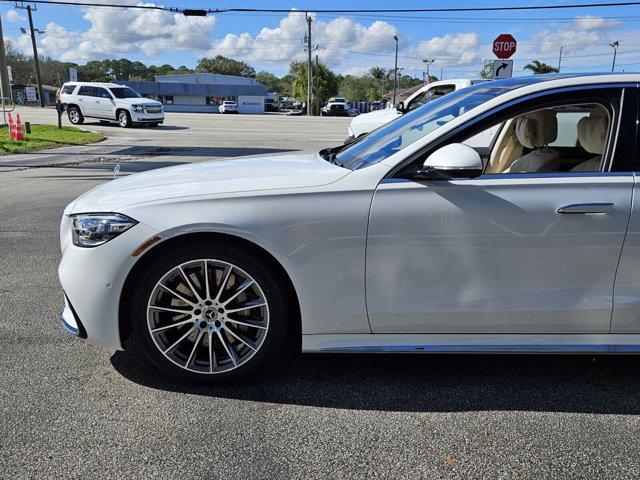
x: 592, y: 135
x: 536, y: 130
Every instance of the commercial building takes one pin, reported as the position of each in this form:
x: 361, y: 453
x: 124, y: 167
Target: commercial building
x: 203, y: 92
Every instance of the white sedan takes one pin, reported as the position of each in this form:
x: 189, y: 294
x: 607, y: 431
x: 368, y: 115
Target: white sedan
x: 228, y: 106
x: 408, y: 240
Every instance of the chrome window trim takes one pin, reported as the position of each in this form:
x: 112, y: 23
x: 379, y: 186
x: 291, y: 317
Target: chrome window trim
x: 499, y: 176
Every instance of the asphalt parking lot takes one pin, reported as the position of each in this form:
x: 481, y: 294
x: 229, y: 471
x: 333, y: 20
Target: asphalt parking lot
x: 70, y: 409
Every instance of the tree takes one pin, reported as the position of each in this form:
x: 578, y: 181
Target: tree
x: 225, y: 66
x: 273, y: 83
x: 383, y: 78
x: 538, y: 67
x: 487, y: 71
x: 327, y: 83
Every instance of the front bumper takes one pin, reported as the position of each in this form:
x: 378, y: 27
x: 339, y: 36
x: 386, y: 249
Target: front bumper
x: 92, y: 280
x: 142, y: 117
x: 70, y: 321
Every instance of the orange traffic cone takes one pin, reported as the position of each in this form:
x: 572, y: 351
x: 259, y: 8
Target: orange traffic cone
x: 19, y: 133
x: 12, y: 133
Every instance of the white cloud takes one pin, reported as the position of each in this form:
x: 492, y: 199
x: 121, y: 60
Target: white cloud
x: 585, y: 31
x: 338, y: 40
x: 119, y: 32
x: 457, y: 49
x: 13, y: 16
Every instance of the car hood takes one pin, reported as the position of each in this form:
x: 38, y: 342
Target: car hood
x: 366, y: 122
x: 384, y: 115
x: 139, y: 101
x: 210, y: 178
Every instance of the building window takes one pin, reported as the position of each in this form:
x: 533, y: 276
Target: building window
x: 218, y: 100
x: 166, y: 99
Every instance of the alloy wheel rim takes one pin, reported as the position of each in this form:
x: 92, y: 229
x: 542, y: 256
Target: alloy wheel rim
x: 73, y: 116
x: 123, y: 119
x: 207, y: 316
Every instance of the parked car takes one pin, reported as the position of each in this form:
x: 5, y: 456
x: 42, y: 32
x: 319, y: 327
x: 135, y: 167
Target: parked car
x: 270, y: 105
x: 286, y: 103
x: 109, y: 102
x: 336, y: 107
x: 367, y: 122
x: 228, y: 106
x: 408, y: 240
x: 353, y: 112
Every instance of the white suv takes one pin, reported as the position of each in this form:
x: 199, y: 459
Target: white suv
x: 109, y: 102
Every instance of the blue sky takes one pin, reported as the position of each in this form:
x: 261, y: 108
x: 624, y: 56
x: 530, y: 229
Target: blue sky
x: 350, y: 43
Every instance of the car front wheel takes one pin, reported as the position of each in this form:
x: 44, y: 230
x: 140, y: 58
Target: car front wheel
x: 209, y: 313
x: 124, y: 119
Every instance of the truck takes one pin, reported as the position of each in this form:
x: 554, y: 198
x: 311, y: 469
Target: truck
x: 363, y: 124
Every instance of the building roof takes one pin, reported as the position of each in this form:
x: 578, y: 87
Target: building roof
x: 209, y: 90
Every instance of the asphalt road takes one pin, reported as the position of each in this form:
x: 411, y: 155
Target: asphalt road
x: 72, y: 410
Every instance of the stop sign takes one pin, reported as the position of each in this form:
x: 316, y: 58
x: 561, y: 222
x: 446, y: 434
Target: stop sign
x: 504, y: 46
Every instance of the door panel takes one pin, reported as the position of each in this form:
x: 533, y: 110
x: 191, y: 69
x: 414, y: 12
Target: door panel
x: 493, y: 255
x: 103, y: 104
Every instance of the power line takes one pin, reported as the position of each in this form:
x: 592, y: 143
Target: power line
x: 353, y: 10
x: 93, y: 4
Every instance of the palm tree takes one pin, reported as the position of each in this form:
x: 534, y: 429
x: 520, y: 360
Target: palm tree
x: 540, y: 67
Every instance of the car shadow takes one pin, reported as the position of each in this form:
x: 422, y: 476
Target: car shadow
x: 427, y: 383
x: 115, y: 125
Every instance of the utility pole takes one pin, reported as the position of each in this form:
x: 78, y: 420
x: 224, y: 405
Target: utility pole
x: 615, y: 46
x: 5, y: 86
x: 317, y: 86
x: 309, y: 68
x: 395, y: 73
x: 560, y: 58
x: 36, y: 61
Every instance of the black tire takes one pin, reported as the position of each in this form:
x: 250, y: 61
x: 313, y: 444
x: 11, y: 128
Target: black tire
x: 272, y: 286
x: 75, y: 115
x: 124, y: 119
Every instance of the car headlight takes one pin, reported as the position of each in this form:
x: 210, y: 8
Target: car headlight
x: 138, y: 108
x: 93, y: 229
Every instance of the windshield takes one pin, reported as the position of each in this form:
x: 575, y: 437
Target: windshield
x: 414, y: 125
x: 124, y: 92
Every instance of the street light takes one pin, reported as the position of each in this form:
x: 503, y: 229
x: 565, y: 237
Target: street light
x: 615, y: 46
x: 428, y: 62
x: 395, y: 72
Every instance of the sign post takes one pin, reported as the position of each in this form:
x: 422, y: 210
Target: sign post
x: 504, y: 46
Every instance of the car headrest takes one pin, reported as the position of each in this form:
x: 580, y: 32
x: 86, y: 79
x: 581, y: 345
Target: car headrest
x: 592, y: 130
x: 537, y: 129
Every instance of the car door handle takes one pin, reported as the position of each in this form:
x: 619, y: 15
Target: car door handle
x: 586, y: 208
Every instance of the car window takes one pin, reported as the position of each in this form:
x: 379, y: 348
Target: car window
x: 564, y: 138
x: 68, y: 89
x: 101, y: 92
x: 429, y: 95
x: 412, y: 126
x: 86, y: 91
x: 124, y: 92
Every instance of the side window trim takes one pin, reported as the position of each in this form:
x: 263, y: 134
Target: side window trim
x: 531, y: 100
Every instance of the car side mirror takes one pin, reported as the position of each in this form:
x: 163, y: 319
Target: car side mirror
x: 455, y: 160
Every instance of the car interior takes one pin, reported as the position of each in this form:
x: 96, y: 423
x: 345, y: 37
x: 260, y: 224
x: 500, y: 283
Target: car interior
x: 568, y: 138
